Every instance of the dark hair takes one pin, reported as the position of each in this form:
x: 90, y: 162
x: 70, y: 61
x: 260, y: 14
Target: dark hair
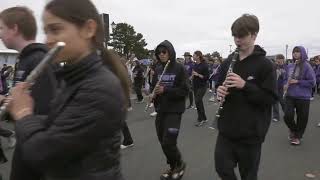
x: 199, y: 53
x: 279, y: 56
x: 78, y: 12
x: 23, y: 18
x: 245, y: 25
x: 296, y: 49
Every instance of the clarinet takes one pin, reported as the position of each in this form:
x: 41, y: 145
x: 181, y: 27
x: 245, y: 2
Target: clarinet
x: 35, y: 73
x: 230, y: 70
x: 152, y: 95
x: 290, y: 78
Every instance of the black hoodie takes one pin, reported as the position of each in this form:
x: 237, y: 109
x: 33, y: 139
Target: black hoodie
x: 174, y: 81
x: 246, y: 113
x: 43, y: 90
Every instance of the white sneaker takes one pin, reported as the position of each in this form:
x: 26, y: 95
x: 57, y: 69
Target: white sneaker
x: 151, y: 105
x: 210, y: 91
x: 153, y: 114
x: 129, y: 109
x: 319, y: 124
x: 212, y: 99
x: 126, y: 146
x: 312, y: 98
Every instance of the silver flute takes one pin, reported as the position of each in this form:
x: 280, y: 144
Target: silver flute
x: 36, y: 72
x: 230, y: 70
x: 289, y: 79
x: 152, y: 95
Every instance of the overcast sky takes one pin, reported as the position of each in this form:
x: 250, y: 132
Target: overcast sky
x: 205, y: 24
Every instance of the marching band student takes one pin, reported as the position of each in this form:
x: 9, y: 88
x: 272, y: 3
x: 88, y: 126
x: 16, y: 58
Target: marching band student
x: 80, y: 138
x: 19, y: 31
x: 301, y: 80
x: 200, y: 76
x: 249, y: 92
x: 189, y: 64
x: 169, y: 102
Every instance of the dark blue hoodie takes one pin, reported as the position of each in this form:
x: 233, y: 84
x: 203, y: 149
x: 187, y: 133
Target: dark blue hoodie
x: 305, y: 76
x: 174, y: 80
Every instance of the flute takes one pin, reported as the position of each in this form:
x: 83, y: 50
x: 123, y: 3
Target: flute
x: 152, y: 95
x: 36, y: 72
x: 289, y: 79
x: 230, y: 70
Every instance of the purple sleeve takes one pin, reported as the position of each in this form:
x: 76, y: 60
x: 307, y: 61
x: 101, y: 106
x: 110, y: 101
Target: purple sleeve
x: 309, y: 79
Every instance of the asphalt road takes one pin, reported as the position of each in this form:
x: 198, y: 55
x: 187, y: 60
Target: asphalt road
x: 279, y: 161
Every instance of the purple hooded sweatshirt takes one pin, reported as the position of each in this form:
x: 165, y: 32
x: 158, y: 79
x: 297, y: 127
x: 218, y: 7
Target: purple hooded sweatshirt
x: 317, y: 71
x: 305, y: 76
x: 189, y: 66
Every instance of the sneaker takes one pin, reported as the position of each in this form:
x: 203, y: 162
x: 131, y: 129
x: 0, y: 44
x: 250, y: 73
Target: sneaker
x: 12, y: 141
x: 205, y: 121
x: 291, y: 136
x: 275, y: 120
x: 166, y: 175
x: 212, y: 99
x: 129, y: 109
x: 125, y: 146
x: 295, y: 141
x: 211, y: 127
x: 139, y: 102
x: 178, y: 172
x: 153, y: 114
x: 198, y: 124
x: 190, y: 107
x: 151, y: 105
x: 319, y: 124
x: 312, y: 98
x: 195, y: 108
x: 210, y: 91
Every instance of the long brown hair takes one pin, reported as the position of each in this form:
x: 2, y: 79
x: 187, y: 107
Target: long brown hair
x: 78, y: 12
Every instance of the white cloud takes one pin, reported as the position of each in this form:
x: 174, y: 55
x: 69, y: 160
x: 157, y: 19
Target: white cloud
x: 205, y: 24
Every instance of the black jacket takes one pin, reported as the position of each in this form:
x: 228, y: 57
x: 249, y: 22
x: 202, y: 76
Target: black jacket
x: 246, y: 113
x: 174, y: 82
x: 80, y: 138
x: 138, y: 75
x: 203, y: 69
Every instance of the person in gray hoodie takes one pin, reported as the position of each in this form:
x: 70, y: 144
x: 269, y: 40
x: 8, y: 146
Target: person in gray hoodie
x: 301, y: 80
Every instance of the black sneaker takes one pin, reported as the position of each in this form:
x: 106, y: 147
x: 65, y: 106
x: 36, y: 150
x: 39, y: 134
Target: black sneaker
x: 178, y: 171
x: 167, y: 174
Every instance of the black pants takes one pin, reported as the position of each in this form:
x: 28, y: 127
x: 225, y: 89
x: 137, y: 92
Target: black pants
x: 137, y: 89
x: 316, y: 88
x: 168, y: 127
x: 127, y: 138
x: 3, y: 158
x: 229, y: 154
x: 5, y: 132
x: 190, y: 95
x: 275, y: 107
x: 302, y: 110
x: 198, y: 95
